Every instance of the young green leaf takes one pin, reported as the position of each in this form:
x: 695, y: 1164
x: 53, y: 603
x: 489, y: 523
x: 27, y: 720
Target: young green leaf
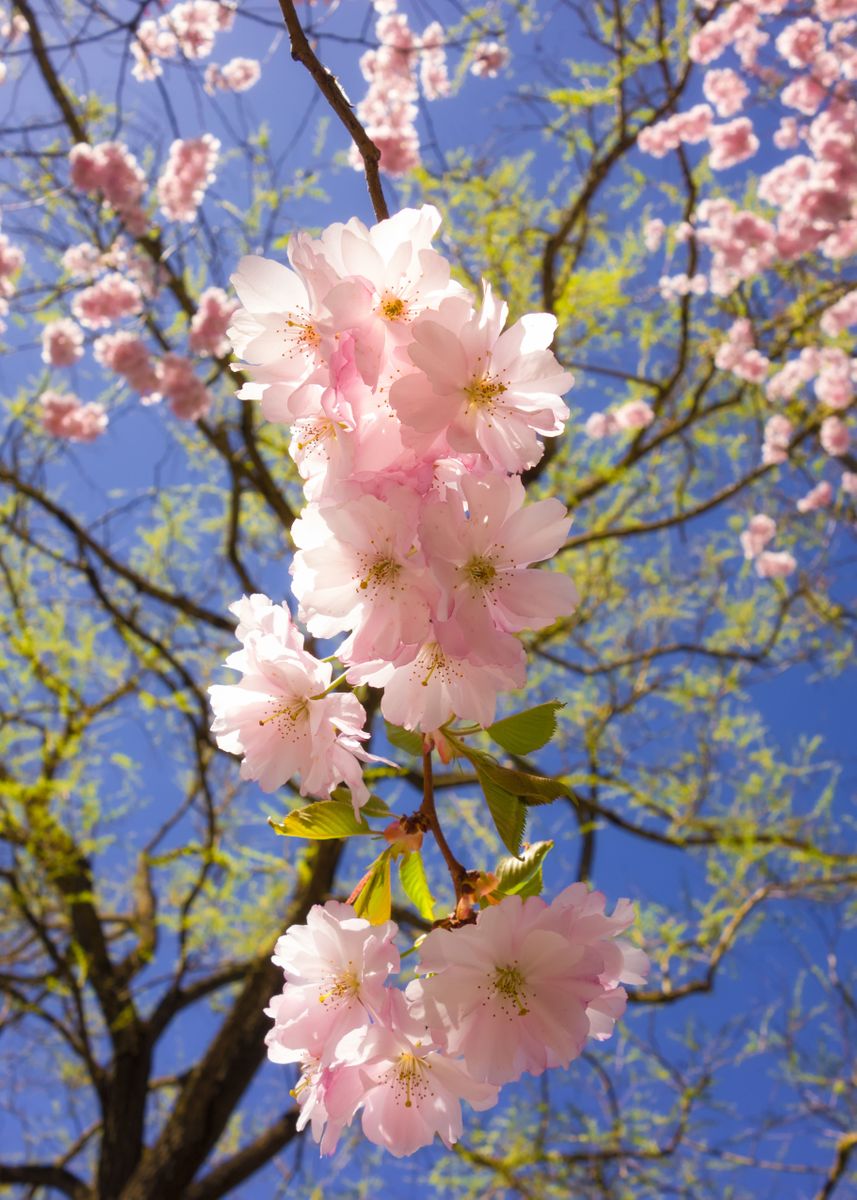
x: 413, y: 876
x: 321, y: 820
x: 532, y: 789
x: 507, y: 811
x: 527, y: 731
x: 375, y: 901
x: 405, y: 739
x: 514, y: 874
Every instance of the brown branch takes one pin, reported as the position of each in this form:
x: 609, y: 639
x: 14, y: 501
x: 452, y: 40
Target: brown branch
x: 329, y: 87
x: 45, y: 1175
x: 429, y: 811
x: 227, y: 1175
x: 845, y: 1147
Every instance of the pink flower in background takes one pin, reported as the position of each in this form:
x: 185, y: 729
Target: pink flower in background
x: 633, y: 415
x: 336, y: 967
x: 109, y: 300
x: 818, y: 497
x: 210, y: 322
x: 189, y: 398
x: 62, y: 343
x: 737, y: 354
x: 775, y: 564
x: 653, y: 234
x: 127, y: 355
x: 849, y: 483
x: 82, y: 261
x: 187, y: 174
x: 281, y: 722
x: 834, y: 386
x: 11, y: 262
x: 731, y: 144
x: 760, y: 530
x: 434, y: 79
x: 600, y: 425
x: 834, y: 436
x: 726, y: 90
x: 110, y: 169
x: 238, y: 75
x: 840, y: 316
x: 778, y: 434
x: 63, y: 416
x: 487, y: 391
x: 489, y: 59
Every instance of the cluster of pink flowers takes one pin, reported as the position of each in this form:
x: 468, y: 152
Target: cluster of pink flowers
x: 188, y: 171
x: 519, y: 990
x: 173, y: 376
x: 210, y: 322
x: 62, y: 343
x: 413, y: 412
x: 64, y: 416
x: 761, y: 530
x: 111, y: 171
x: 395, y: 71
x: 238, y: 75
x: 11, y: 263
x: 187, y: 31
x: 739, y: 355
x: 631, y: 416
x: 111, y: 299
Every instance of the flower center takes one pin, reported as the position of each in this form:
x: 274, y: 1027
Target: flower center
x: 313, y: 433
x: 382, y: 573
x: 345, y: 987
x: 483, y: 391
x: 394, y: 308
x: 411, y: 1078
x: 480, y: 571
x: 510, y: 987
x: 303, y: 333
x: 287, y: 717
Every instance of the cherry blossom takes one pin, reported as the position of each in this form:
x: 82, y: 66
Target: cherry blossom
x: 834, y: 436
x: 513, y: 992
x: 62, y: 343
x: 188, y: 172
x: 489, y: 59
x: 760, y: 530
x: 480, y: 544
x: 335, y: 968
x: 188, y: 396
x: 111, y: 170
x: 238, y: 75
x: 210, y: 322
x: 818, y: 497
x: 127, y: 355
x: 485, y: 390
x: 109, y: 300
x: 282, y: 722
x: 775, y: 564
x: 409, y: 1090
x: 64, y: 416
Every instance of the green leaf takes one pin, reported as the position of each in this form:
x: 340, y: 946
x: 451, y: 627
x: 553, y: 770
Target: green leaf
x: 507, y: 811
x: 532, y: 789
x: 324, y: 819
x: 405, y: 739
x: 515, y: 874
x: 375, y: 901
x: 413, y: 876
x: 526, y: 731
x: 374, y: 806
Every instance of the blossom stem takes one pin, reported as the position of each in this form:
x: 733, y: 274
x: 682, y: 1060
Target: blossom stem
x: 428, y: 810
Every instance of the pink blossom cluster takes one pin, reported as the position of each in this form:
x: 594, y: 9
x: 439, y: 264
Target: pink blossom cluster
x: 739, y: 355
x: 86, y: 262
x: 173, y: 376
x: 210, y: 322
x: 413, y: 412
x: 238, y: 75
x: 110, y: 299
x: 187, y: 31
x: 283, y: 717
x: 62, y: 343
x: 188, y: 171
x: 631, y: 416
x: 402, y: 64
x: 520, y: 990
x: 64, y: 416
x: 761, y: 530
x: 110, y: 170
x: 11, y: 264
